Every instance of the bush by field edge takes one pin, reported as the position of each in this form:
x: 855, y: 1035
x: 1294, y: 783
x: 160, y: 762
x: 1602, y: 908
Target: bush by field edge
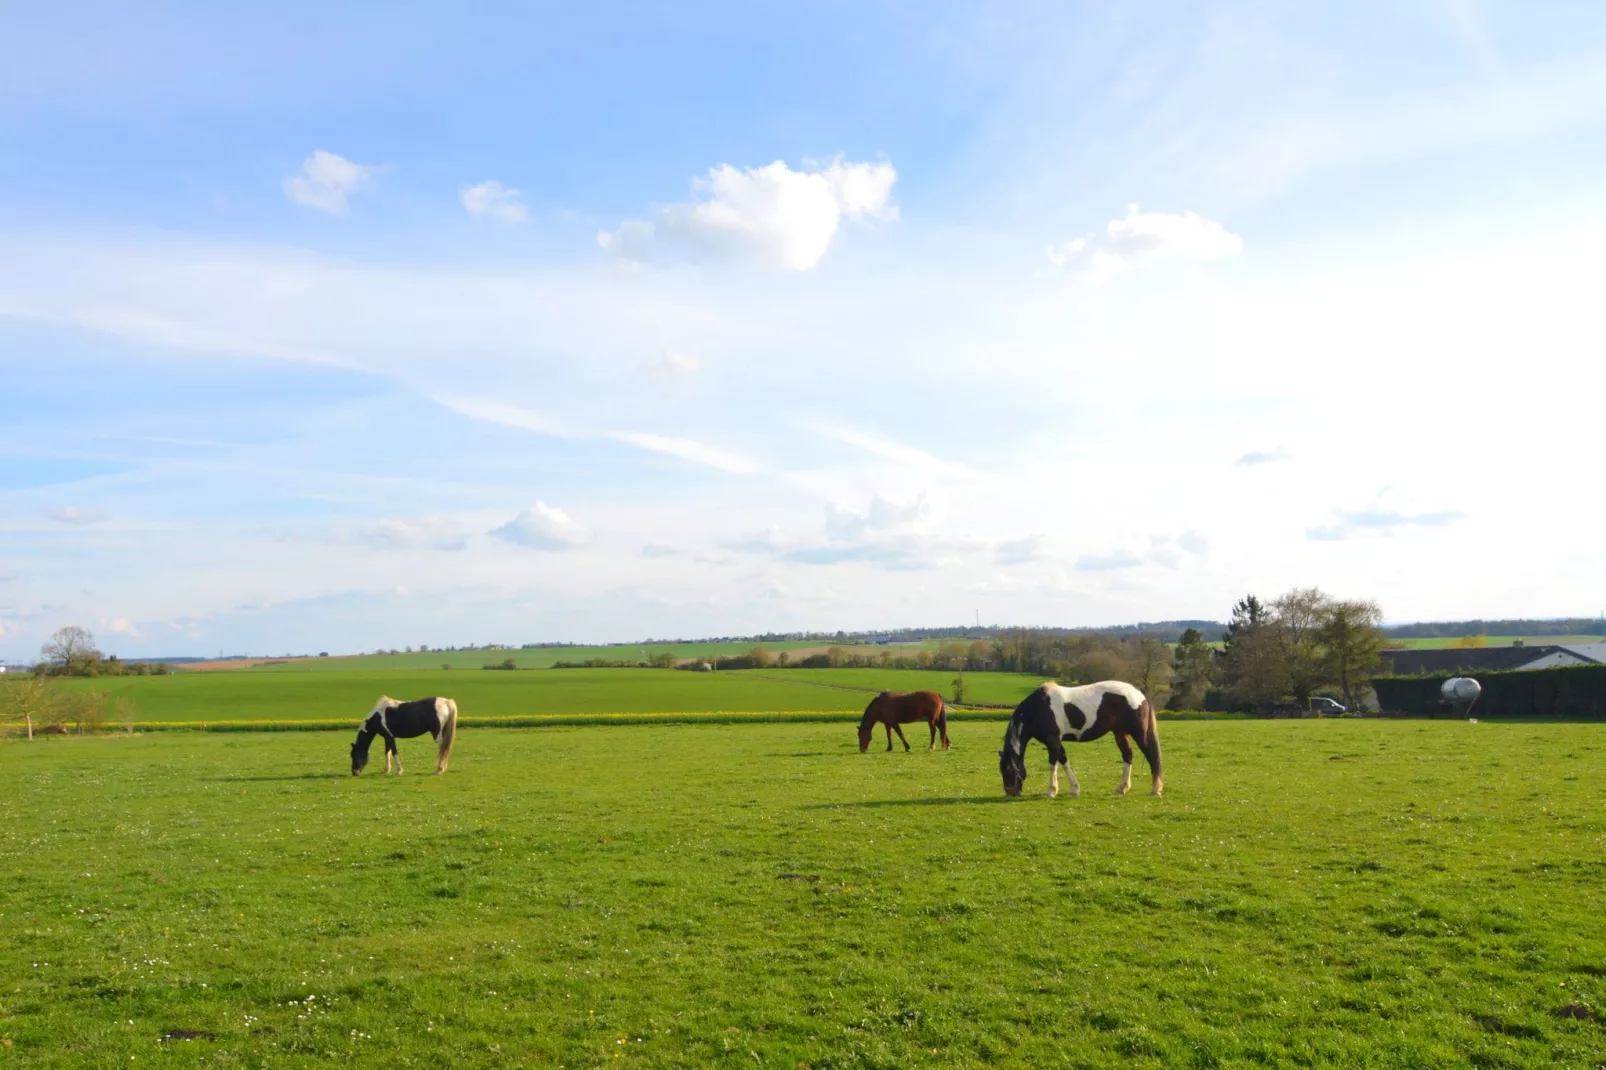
x: 584, y: 719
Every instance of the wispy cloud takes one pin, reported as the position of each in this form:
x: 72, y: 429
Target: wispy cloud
x: 1108, y: 562
x: 880, y: 445
x: 1378, y: 521
x: 433, y: 532
x: 543, y: 527
x: 653, y: 549
x: 688, y: 450
x: 78, y: 514
x: 492, y: 200
x: 1020, y: 551
x: 1255, y: 457
x: 1143, y: 236
x: 781, y: 217
x: 497, y: 412
x: 674, y: 363
x: 326, y: 182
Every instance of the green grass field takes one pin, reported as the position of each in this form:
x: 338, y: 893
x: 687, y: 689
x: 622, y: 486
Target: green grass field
x: 347, y: 696
x: 1498, y: 640
x: 1318, y: 893
x: 533, y: 658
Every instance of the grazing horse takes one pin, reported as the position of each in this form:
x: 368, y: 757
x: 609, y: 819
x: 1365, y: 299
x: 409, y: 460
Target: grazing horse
x: 1052, y: 714
x: 404, y: 720
x: 892, y: 708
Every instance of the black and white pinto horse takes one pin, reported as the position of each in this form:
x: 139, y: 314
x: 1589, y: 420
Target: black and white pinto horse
x: 404, y: 720
x: 1053, y: 714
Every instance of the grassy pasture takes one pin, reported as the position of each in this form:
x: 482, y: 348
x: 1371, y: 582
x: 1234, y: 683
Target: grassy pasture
x: 1332, y: 893
x: 347, y: 696
x: 1497, y: 640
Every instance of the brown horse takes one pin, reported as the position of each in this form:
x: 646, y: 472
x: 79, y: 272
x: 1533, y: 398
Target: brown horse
x: 892, y: 708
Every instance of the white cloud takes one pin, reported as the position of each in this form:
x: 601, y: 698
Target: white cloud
x: 1020, y: 551
x: 781, y: 217
x: 673, y: 364
x: 498, y: 413
x: 653, y: 549
x: 494, y: 201
x: 1376, y: 520
x: 1254, y: 457
x: 687, y: 450
x: 121, y: 626
x: 78, y: 514
x: 1141, y: 236
x: 434, y: 532
x: 881, y: 446
x: 325, y: 181
x: 543, y: 527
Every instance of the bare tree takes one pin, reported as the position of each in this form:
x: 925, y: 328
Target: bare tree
x: 72, y: 648
x: 1352, y: 637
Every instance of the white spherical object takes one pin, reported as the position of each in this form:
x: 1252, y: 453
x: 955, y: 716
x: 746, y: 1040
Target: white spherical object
x: 1460, y: 689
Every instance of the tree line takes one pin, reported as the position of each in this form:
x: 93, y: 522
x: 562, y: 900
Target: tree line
x: 72, y: 652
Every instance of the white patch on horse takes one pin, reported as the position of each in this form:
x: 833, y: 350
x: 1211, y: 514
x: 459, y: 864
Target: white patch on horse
x: 1087, y: 699
x: 1076, y: 788
x: 1054, y: 779
x: 1126, y: 779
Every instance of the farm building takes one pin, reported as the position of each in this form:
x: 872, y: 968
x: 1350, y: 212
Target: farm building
x: 1493, y: 659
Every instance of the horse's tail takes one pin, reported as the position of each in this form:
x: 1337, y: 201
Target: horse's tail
x: 942, y: 720
x: 448, y: 734
x: 1151, y: 743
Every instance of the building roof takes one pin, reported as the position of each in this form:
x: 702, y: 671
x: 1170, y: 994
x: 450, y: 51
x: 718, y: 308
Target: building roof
x: 1595, y: 652
x: 1468, y: 659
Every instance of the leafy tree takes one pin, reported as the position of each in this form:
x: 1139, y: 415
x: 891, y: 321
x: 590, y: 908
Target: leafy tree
x: 1298, y: 617
x: 959, y: 690
x: 1151, y: 667
x: 27, y: 699
x: 664, y: 659
x: 1251, y: 662
x: 1471, y: 642
x: 760, y: 657
x: 1193, y: 664
x: 1352, y: 637
x: 73, y: 650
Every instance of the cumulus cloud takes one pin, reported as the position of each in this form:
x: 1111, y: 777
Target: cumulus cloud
x: 78, y: 514
x: 326, y: 181
x: 674, y: 364
x: 433, y: 532
x: 1375, y: 520
x: 1143, y: 236
x: 543, y: 527
x: 121, y: 626
x: 773, y: 214
x: 495, y: 201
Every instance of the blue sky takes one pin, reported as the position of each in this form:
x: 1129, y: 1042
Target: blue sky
x: 391, y: 324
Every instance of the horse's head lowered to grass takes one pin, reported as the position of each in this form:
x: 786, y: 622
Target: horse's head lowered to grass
x: 1012, y: 764
x: 359, y: 751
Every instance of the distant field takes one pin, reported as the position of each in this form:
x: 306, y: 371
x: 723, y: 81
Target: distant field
x: 994, y: 688
x: 1307, y: 894
x: 534, y: 658
x: 1498, y: 640
x: 324, y: 696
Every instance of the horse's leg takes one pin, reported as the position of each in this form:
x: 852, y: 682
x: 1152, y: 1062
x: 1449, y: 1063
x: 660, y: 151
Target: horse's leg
x: 888, y: 726
x: 1076, y: 788
x: 1056, y: 758
x: 932, y: 724
x: 901, y: 736
x: 1126, y: 770
x: 391, y: 748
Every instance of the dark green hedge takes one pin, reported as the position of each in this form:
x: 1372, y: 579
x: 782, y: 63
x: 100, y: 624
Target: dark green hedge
x: 1577, y: 691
